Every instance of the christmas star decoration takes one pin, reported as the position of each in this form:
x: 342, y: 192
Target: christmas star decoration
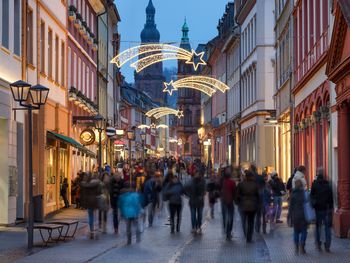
x: 196, y: 59
x: 160, y: 112
x: 169, y: 87
x: 153, y: 126
x: 143, y: 126
x: 180, y: 114
x: 150, y: 54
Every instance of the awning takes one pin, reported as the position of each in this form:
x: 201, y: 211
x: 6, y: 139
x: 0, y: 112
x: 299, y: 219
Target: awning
x: 71, y: 142
x: 119, y: 142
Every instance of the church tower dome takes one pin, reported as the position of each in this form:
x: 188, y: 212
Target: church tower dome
x: 150, y: 32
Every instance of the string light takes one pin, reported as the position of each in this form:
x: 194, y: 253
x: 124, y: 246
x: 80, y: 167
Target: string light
x: 143, y: 126
x: 204, y: 84
x: 164, y: 126
x: 163, y: 52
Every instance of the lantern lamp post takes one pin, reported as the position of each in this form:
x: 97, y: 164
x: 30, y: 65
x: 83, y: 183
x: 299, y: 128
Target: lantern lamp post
x: 143, y: 139
x: 99, y: 125
x: 29, y: 98
x: 131, y: 137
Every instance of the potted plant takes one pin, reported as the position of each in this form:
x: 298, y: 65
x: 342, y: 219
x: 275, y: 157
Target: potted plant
x: 77, y: 21
x: 72, y: 10
x: 82, y: 29
x: 87, y: 32
x: 90, y: 39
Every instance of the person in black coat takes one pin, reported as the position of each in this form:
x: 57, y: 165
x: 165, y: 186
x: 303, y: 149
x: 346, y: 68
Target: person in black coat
x: 278, y: 190
x: 116, y: 185
x: 298, y: 220
x: 322, y: 200
x: 248, y: 200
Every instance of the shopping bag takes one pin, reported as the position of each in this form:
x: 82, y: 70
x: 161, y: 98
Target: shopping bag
x: 309, y: 212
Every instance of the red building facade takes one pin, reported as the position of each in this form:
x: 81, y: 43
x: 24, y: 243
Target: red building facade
x: 311, y: 87
x: 338, y: 71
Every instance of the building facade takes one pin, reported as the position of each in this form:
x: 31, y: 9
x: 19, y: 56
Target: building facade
x: 151, y: 79
x: 256, y: 20
x: 311, y: 89
x: 12, y: 165
x: 284, y: 84
x: 338, y: 71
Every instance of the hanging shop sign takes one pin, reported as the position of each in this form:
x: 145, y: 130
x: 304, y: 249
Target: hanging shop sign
x: 87, y: 137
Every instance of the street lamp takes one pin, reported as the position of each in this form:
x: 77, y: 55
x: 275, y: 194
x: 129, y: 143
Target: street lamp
x: 200, y: 140
x: 130, y: 134
x: 99, y: 125
x: 21, y: 91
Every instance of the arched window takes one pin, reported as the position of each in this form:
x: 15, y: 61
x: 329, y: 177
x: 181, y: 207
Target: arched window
x: 188, y: 118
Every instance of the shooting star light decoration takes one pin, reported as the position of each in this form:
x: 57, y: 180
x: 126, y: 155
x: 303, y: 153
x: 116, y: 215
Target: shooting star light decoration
x: 154, y: 53
x: 163, y: 111
x: 204, y: 84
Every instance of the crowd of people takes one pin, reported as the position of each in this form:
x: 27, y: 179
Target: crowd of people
x: 137, y: 191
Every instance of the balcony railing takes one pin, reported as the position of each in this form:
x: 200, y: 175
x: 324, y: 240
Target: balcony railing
x: 312, y: 57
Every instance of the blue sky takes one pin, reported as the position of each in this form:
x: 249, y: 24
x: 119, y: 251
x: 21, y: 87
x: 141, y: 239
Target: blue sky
x: 202, y: 18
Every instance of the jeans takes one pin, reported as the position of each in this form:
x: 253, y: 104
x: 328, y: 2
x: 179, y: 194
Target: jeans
x: 248, y: 224
x: 65, y: 199
x: 115, y: 216
x: 151, y: 209
x: 300, y: 236
x: 259, y: 214
x: 196, y: 216
x: 102, y: 218
x: 175, y: 210
x: 91, y: 218
x: 228, y: 211
x: 323, y: 218
x: 277, y: 200
x: 129, y: 223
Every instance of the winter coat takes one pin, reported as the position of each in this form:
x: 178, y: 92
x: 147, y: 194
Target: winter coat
x: 321, y: 195
x: 174, y: 192
x: 213, y: 189
x: 114, y: 190
x: 90, y: 193
x: 149, y: 192
x: 296, y: 209
x: 129, y: 204
x: 277, y: 187
x: 248, y: 197
x: 228, y: 191
x: 195, y: 190
x: 299, y: 176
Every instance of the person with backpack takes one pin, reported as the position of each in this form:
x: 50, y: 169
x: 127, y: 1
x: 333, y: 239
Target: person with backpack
x: 228, y: 192
x: 322, y: 200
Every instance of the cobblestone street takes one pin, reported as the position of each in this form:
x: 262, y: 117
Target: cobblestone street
x: 158, y: 245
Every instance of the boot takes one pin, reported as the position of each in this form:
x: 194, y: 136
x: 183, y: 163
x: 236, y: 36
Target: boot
x: 318, y: 246
x: 327, y: 248
x: 302, y: 249
x: 104, y: 228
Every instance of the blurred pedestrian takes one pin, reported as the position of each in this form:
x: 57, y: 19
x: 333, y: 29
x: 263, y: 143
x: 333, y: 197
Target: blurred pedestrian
x: 91, y: 193
x: 64, y: 192
x: 248, y: 202
x: 300, y: 175
x: 195, y: 190
x: 278, y: 190
x: 104, y: 202
x: 150, y: 197
x: 129, y: 204
x: 116, y: 186
x: 322, y: 200
x: 298, y: 219
x: 213, y: 189
x: 173, y: 193
x: 228, y: 192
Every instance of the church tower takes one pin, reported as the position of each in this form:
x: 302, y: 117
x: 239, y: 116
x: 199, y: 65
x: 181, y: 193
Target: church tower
x: 151, y: 79
x: 189, y: 100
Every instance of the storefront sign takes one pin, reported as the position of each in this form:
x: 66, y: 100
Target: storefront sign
x: 87, y: 137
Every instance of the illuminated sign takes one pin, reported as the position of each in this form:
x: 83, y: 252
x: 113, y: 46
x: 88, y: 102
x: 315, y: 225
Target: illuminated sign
x: 87, y: 137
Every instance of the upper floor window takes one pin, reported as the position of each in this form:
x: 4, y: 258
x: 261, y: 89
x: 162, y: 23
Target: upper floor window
x: 5, y: 23
x: 17, y: 27
x: 30, y: 47
x: 42, y: 46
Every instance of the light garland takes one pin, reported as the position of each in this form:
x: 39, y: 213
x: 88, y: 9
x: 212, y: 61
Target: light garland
x: 143, y: 126
x: 154, y: 53
x: 164, y: 126
x: 205, y: 84
x: 163, y: 111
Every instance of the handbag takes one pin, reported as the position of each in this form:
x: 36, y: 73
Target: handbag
x: 309, y: 212
x: 102, y: 202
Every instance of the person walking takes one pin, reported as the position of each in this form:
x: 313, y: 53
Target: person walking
x: 116, y: 185
x: 278, y: 190
x: 228, y: 189
x: 129, y: 204
x: 150, y: 196
x: 213, y: 189
x: 195, y: 190
x: 322, y: 200
x: 173, y: 193
x: 248, y: 202
x: 298, y: 219
x: 104, y: 203
x: 91, y: 196
x: 268, y: 211
x: 64, y: 191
